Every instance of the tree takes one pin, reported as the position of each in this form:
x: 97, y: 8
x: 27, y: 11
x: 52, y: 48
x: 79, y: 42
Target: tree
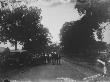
x: 40, y: 42
x: 22, y: 24
x: 78, y: 36
x: 98, y: 9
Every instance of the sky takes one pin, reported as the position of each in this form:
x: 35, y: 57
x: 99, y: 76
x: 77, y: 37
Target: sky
x: 55, y: 13
x: 107, y: 34
x: 54, y: 18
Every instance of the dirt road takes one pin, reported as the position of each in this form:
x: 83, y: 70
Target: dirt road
x: 50, y: 73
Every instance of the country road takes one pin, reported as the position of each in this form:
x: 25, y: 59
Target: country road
x: 50, y: 73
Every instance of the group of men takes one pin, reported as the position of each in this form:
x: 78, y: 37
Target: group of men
x: 53, y: 58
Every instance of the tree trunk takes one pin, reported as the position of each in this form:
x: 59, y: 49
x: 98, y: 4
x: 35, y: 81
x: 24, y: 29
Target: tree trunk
x: 15, y: 45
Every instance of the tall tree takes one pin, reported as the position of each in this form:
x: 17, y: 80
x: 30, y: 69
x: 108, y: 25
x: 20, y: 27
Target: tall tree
x: 78, y: 36
x: 98, y: 9
x: 38, y: 43
x: 22, y: 25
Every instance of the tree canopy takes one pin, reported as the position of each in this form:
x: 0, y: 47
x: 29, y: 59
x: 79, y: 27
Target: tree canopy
x: 98, y: 9
x: 22, y: 24
x: 78, y: 36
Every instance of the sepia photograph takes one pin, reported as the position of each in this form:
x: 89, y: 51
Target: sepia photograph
x: 54, y: 40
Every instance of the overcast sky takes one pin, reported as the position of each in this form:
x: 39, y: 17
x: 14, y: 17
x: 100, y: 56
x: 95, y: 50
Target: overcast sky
x: 54, y: 17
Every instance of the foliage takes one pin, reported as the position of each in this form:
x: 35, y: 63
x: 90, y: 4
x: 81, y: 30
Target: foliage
x: 99, y: 9
x: 39, y: 43
x: 78, y: 37
x: 22, y: 25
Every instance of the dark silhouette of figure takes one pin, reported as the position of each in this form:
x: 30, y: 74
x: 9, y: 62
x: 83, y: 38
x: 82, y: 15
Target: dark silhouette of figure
x: 49, y: 58
x: 43, y: 58
x: 53, y: 58
x: 58, y: 57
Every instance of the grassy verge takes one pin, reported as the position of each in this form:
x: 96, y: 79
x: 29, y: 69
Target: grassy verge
x: 82, y: 63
